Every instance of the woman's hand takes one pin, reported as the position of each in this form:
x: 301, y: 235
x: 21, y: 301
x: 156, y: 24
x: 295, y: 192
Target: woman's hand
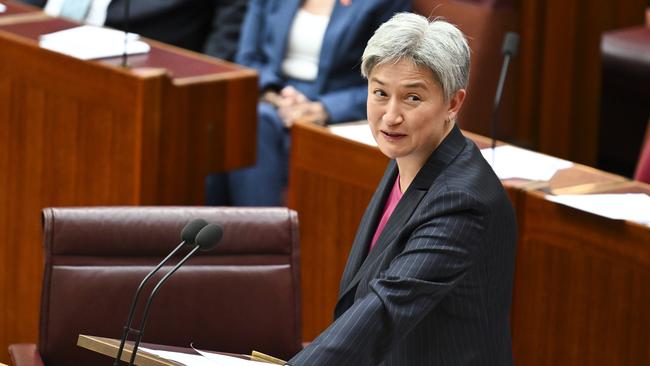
x: 293, y: 105
x: 287, y: 97
x: 271, y: 97
x: 309, y: 111
x: 291, y: 96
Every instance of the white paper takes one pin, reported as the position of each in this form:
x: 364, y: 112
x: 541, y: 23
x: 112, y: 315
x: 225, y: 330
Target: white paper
x: 227, y: 360
x: 3, y: 8
x: 628, y: 206
x: 359, y: 132
x: 204, y: 359
x: 89, y: 42
x: 514, y: 162
x: 184, y: 358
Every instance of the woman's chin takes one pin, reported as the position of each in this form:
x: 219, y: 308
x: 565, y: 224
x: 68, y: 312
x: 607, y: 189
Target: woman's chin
x: 390, y: 153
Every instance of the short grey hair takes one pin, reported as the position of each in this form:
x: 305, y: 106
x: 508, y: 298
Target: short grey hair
x: 437, y: 45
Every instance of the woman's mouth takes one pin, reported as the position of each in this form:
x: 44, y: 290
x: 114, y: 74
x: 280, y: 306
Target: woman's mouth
x: 392, y: 136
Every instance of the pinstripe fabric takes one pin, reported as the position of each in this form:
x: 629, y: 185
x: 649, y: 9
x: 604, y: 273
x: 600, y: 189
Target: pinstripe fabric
x: 436, y: 288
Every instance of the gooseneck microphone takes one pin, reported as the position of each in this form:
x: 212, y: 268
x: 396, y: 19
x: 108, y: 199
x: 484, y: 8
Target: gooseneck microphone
x: 127, y: 21
x: 206, y: 239
x: 188, y: 237
x: 510, y: 47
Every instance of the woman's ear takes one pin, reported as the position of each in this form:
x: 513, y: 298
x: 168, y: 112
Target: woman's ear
x: 456, y: 102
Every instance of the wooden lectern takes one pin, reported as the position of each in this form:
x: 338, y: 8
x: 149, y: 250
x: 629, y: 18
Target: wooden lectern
x: 109, y: 347
x: 86, y: 133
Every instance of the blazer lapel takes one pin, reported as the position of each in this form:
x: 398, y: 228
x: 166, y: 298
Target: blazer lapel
x: 285, y: 16
x: 450, y: 147
x: 338, y: 23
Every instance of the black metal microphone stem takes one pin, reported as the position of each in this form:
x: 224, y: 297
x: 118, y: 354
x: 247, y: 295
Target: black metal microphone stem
x: 127, y: 7
x: 145, y: 315
x: 127, y: 327
x: 497, y: 98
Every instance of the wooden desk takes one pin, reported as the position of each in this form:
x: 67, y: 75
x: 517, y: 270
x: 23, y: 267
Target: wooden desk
x: 582, y: 286
x: 76, y: 133
x: 332, y: 179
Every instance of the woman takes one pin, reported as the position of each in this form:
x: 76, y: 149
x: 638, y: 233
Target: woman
x: 307, y: 56
x: 429, y: 277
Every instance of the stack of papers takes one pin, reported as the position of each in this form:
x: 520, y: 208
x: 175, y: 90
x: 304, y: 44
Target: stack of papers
x: 628, y: 206
x: 514, y: 162
x: 356, y: 131
x: 204, y: 359
x: 90, y: 42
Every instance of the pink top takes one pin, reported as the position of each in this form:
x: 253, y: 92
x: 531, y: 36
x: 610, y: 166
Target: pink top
x: 643, y: 166
x: 393, y: 199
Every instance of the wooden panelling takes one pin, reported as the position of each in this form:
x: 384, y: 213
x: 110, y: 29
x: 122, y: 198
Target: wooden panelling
x: 79, y: 133
x: 581, y: 288
x: 560, y: 75
x: 484, y: 23
x: 330, y: 185
x: 62, y: 146
x: 325, y: 244
x: 202, y: 132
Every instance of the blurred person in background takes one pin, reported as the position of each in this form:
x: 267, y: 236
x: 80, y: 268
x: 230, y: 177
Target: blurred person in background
x: 307, y: 55
x: 208, y: 26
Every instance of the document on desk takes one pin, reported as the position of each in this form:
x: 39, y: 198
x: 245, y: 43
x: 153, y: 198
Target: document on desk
x: 514, y: 162
x: 355, y: 131
x: 203, y: 359
x: 89, y: 42
x: 628, y: 206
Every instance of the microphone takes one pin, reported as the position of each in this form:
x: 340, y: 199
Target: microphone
x: 206, y: 239
x: 509, y: 50
x: 188, y: 236
x: 127, y: 16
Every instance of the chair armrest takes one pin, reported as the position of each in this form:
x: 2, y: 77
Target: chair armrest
x: 25, y: 354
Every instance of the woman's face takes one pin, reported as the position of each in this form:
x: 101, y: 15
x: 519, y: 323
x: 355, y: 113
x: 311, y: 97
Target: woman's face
x: 407, y: 113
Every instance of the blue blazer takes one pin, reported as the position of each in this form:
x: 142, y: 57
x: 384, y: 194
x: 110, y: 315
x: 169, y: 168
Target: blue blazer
x: 436, y: 288
x: 339, y: 84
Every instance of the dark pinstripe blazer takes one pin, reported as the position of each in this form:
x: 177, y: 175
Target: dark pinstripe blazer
x: 436, y: 288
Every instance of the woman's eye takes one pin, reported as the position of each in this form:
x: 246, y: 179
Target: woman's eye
x: 413, y: 98
x: 379, y: 93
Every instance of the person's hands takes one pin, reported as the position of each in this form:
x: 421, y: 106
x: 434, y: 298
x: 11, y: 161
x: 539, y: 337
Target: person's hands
x: 271, y: 97
x: 293, y: 105
x: 291, y: 96
x: 287, y: 97
x: 310, y: 111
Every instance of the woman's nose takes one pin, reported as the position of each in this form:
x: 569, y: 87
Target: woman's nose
x: 393, y: 114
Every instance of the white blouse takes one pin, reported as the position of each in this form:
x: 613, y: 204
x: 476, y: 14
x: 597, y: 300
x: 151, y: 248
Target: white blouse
x: 96, y: 14
x: 305, y: 43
